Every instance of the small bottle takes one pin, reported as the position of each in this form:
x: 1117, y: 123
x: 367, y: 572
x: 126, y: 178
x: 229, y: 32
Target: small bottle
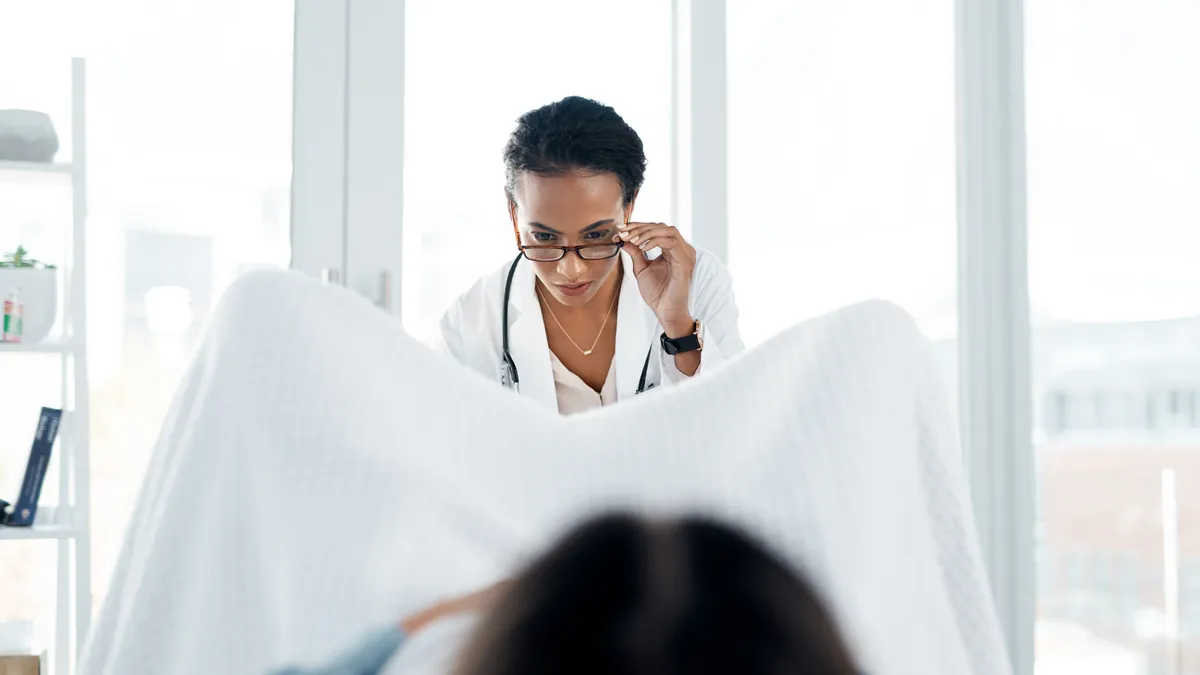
x: 12, y: 318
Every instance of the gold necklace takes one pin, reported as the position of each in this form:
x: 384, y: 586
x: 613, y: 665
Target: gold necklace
x: 595, y: 342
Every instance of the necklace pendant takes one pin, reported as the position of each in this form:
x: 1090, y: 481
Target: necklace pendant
x: 588, y: 353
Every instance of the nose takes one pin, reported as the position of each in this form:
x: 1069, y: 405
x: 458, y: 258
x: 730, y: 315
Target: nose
x: 571, y: 266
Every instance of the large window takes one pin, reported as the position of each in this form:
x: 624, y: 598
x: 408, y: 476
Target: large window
x: 1114, y: 230
x: 841, y: 159
x: 189, y: 127
x: 841, y: 187
x: 471, y: 69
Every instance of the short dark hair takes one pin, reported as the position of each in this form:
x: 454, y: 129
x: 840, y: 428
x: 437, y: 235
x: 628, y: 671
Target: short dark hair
x: 575, y: 133
x: 622, y: 595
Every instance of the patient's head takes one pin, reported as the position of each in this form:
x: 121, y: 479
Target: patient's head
x: 626, y: 595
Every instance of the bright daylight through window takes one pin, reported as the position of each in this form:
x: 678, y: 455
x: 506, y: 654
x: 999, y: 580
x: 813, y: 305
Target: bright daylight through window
x: 461, y: 103
x: 841, y: 187
x: 189, y: 162
x: 1114, y: 231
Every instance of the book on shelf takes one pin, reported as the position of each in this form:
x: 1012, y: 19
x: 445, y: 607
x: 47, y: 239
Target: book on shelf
x: 24, y: 511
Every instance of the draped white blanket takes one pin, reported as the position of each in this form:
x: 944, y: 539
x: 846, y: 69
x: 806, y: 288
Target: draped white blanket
x: 321, y: 472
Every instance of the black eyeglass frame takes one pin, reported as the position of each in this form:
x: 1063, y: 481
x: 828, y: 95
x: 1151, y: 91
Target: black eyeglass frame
x: 578, y: 250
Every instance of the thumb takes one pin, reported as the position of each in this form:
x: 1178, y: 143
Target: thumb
x: 637, y: 256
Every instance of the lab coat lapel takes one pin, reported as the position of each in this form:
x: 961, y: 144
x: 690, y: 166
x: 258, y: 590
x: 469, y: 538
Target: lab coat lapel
x: 527, y: 340
x: 635, y: 328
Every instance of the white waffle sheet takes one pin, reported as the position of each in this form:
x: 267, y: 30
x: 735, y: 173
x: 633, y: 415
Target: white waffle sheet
x: 322, y: 472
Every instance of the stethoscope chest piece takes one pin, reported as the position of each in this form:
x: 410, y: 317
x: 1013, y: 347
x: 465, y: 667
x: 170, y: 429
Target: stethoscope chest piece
x: 508, y: 374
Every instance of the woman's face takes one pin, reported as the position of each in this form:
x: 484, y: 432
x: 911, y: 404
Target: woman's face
x: 573, y: 209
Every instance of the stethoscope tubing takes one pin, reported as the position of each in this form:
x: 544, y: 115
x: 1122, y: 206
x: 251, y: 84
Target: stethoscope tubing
x: 509, y: 367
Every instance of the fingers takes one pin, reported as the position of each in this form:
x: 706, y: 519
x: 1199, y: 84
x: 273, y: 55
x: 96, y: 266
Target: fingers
x: 653, y: 236
x: 641, y: 237
x: 636, y: 233
x: 664, y: 243
x: 637, y: 256
x: 477, y: 601
x: 648, y: 236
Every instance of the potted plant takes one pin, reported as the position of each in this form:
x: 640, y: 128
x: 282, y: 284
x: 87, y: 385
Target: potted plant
x: 36, y: 286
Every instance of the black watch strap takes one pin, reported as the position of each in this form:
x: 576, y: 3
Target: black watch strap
x: 682, y: 345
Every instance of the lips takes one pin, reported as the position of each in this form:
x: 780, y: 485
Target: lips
x: 574, y: 289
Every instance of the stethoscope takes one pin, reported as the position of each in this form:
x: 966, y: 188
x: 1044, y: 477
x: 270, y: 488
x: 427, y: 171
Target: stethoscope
x: 508, y: 367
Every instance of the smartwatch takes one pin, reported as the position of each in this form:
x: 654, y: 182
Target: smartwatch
x: 687, y: 343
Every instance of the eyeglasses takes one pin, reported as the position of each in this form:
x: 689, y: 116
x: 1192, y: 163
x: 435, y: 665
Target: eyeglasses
x: 556, y: 253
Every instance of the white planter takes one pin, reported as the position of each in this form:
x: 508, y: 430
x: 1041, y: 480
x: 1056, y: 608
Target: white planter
x: 38, y: 293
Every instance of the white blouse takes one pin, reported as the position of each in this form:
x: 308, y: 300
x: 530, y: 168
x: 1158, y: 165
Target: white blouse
x: 574, y: 395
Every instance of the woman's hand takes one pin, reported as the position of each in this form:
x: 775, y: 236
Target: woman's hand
x: 370, y: 654
x: 666, y: 281
x: 474, y: 602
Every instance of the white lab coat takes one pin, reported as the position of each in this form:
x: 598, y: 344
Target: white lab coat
x: 470, y: 331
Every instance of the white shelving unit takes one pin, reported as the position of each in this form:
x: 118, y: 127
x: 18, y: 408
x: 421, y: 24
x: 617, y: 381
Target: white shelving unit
x: 48, y: 347
x: 70, y: 527
x: 38, y: 171
x: 51, y: 531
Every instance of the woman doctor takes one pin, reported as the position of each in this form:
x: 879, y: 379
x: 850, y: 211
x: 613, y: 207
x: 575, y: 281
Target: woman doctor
x: 582, y: 318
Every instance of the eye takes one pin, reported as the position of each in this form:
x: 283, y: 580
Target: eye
x: 597, y: 236
x: 543, y: 236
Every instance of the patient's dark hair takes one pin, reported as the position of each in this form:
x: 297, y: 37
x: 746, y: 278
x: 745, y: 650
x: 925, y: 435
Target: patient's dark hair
x: 624, y: 596
x: 575, y: 133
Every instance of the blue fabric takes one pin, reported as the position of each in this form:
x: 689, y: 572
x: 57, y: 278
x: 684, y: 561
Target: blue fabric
x: 367, y: 657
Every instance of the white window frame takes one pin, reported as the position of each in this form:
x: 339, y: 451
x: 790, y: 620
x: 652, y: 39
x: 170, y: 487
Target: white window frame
x: 699, y: 180
x: 375, y: 150
x: 995, y: 395
x: 347, y: 208
x: 319, y: 129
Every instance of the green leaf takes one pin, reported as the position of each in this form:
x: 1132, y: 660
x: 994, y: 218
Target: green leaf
x: 20, y: 259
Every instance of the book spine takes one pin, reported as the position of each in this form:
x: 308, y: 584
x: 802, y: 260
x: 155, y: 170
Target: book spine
x: 35, y: 472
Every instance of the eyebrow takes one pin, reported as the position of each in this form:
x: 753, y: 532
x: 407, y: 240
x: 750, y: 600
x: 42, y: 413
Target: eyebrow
x: 596, y: 225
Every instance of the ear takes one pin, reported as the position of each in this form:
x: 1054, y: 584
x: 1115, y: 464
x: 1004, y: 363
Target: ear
x: 629, y: 206
x: 512, y: 215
